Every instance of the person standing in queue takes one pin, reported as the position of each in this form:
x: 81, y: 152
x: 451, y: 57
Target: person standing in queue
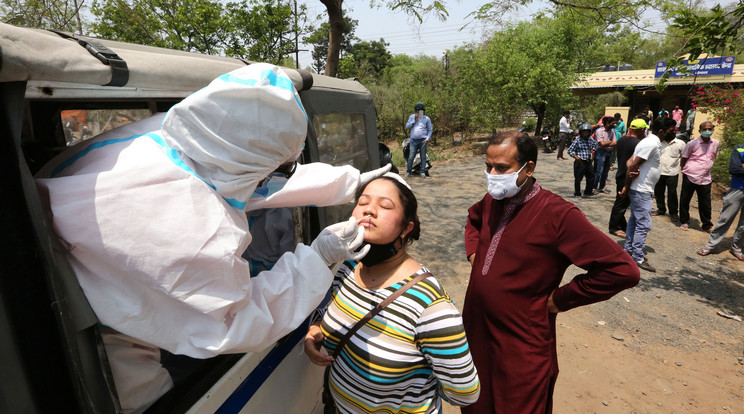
x: 644, y: 170
x: 520, y: 239
x: 420, y: 126
x: 582, y: 150
x: 564, y: 133
x: 625, y: 148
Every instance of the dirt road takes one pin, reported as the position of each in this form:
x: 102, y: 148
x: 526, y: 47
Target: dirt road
x: 660, y: 347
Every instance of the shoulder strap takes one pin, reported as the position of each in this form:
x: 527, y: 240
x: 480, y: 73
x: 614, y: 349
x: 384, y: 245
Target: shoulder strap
x: 380, y: 306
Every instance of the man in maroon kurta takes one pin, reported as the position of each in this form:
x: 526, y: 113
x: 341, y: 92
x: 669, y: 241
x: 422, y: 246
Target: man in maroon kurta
x: 520, y: 239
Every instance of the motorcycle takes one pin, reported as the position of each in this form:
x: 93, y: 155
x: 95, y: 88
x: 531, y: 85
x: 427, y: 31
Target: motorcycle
x: 386, y: 157
x: 549, y: 140
x: 416, y: 169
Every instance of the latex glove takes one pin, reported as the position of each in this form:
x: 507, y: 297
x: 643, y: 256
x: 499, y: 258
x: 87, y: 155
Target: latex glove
x: 339, y: 241
x: 366, y: 177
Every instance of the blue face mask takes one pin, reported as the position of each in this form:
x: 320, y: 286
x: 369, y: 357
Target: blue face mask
x: 706, y: 134
x: 271, y: 185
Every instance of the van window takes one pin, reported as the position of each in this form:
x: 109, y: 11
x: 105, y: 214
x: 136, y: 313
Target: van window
x: 274, y: 231
x: 82, y: 124
x: 342, y: 139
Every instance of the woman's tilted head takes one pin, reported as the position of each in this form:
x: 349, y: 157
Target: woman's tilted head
x: 387, y: 208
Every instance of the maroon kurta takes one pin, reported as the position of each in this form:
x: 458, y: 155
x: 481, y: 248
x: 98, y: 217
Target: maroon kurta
x: 509, y: 328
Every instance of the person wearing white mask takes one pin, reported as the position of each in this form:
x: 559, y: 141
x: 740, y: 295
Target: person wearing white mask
x: 520, y: 239
x: 153, y: 221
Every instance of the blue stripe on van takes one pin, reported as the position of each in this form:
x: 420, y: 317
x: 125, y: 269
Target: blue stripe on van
x: 253, y: 382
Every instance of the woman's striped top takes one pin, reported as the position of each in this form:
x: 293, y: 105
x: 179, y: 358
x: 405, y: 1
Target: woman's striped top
x: 403, y: 360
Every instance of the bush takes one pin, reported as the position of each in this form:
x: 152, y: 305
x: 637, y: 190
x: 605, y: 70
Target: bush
x: 726, y: 104
x: 720, y: 171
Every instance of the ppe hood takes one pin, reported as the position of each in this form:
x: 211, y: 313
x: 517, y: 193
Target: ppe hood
x: 238, y: 129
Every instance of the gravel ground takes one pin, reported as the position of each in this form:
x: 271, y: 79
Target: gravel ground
x: 659, y: 347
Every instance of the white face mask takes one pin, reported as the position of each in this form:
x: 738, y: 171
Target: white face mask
x: 502, y: 186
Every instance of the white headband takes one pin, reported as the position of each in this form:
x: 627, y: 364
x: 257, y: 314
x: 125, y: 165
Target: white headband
x: 398, y: 178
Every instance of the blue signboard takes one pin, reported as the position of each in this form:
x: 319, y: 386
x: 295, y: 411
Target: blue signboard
x: 700, y: 67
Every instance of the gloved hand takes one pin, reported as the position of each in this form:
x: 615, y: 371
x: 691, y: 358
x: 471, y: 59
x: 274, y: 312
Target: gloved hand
x: 339, y: 241
x: 364, y: 178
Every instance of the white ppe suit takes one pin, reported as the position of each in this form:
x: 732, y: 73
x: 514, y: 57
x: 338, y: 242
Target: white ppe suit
x: 153, y: 219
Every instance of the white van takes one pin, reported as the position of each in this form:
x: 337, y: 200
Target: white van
x: 58, y: 89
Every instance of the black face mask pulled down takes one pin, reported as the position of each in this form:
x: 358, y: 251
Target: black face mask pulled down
x: 378, y: 253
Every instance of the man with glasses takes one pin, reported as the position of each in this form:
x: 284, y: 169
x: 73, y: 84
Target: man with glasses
x: 697, y: 160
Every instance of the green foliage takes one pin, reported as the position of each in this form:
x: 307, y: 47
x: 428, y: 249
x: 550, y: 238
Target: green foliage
x: 726, y: 105
x: 403, y: 83
x: 263, y: 30
x: 593, y: 107
x: 529, y: 65
x: 529, y: 124
x: 248, y: 29
x: 417, y: 8
x: 720, y: 170
x: 711, y: 32
x: 189, y: 25
x: 369, y: 60
x: 67, y: 15
x: 714, y: 32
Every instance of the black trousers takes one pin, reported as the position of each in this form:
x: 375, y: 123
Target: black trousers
x: 703, y: 196
x: 562, y: 143
x: 583, y: 169
x: 617, y: 215
x: 668, y: 184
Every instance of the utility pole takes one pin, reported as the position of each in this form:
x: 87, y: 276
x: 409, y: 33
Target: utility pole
x: 297, y: 45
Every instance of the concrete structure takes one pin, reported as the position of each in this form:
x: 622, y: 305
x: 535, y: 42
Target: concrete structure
x: 639, y: 87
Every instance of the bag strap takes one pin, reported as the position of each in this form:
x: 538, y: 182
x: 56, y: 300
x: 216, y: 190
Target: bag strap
x: 380, y: 306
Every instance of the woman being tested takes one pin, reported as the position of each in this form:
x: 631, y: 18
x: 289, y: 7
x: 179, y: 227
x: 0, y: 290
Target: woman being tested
x: 413, y: 351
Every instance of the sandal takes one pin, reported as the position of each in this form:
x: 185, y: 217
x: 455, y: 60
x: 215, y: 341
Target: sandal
x: 685, y: 227
x: 737, y: 253
x: 704, y: 251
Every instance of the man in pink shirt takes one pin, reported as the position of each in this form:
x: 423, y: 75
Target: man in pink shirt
x: 697, y: 160
x: 677, y: 115
x: 605, y: 137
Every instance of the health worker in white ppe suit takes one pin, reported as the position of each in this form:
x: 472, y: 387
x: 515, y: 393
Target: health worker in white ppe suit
x: 153, y: 219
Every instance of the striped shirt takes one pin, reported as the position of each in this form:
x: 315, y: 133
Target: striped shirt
x: 403, y: 360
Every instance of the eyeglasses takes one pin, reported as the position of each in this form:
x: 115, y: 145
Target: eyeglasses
x: 288, y: 169
x: 706, y: 129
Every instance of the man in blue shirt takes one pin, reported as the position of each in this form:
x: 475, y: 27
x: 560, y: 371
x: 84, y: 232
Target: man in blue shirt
x: 420, y: 126
x: 733, y: 202
x: 582, y: 149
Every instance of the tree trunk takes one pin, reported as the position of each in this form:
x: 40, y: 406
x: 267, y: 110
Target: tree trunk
x: 335, y: 31
x: 540, y: 112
